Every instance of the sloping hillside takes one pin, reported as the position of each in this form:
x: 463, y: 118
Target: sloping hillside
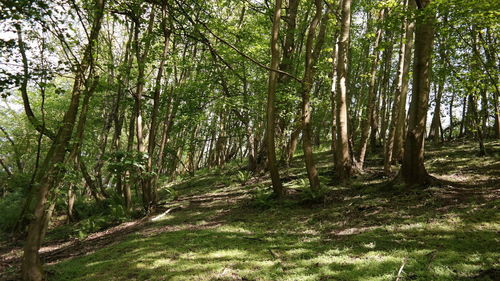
x: 220, y: 229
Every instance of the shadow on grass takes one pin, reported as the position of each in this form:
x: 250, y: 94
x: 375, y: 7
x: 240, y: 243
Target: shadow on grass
x: 363, y: 233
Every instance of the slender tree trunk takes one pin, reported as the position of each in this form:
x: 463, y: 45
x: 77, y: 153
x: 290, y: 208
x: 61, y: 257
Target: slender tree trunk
x: 71, y: 203
x: 368, y: 119
x: 464, y: 114
x: 476, y: 124
x: 384, y: 89
x: 497, y: 115
x: 404, y: 77
x: 413, y: 170
x: 450, y: 137
x: 484, y: 112
x: 271, y: 93
x: 311, y: 57
x: 435, y: 129
x: 49, y: 171
x: 292, y: 144
x: 139, y: 122
x: 333, y: 96
x: 287, y: 66
x: 151, y: 181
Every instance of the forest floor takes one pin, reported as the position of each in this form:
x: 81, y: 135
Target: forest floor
x: 219, y: 229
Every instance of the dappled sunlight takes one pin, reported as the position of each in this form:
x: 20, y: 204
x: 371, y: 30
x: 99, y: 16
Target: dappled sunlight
x: 369, y: 234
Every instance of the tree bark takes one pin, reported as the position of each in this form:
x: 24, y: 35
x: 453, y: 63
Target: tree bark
x: 403, y: 82
x: 435, y: 129
x: 49, y: 172
x: 369, y: 118
x: 343, y: 163
x: 151, y: 181
x: 139, y: 122
x: 413, y: 170
x: 310, y: 60
x: 271, y: 92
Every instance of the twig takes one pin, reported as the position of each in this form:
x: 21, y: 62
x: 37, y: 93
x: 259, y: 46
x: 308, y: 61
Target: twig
x: 274, y: 255
x: 401, y: 270
x: 164, y: 213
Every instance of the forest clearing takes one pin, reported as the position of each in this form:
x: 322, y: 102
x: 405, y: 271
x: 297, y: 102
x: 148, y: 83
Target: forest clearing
x: 249, y: 140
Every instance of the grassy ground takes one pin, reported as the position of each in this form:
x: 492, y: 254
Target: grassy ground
x: 219, y: 229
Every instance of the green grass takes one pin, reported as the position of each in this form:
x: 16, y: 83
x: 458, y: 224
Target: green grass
x: 358, y: 232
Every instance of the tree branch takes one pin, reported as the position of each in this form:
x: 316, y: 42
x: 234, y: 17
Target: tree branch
x: 24, y: 89
x: 241, y: 53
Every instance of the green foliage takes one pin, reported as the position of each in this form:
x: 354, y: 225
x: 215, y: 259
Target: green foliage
x: 121, y: 161
x: 10, y: 209
x: 226, y: 180
x: 243, y: 176
x: 92, y: 217
x: 171, y: 193
x: 308, y: 195
x: 262, y: 197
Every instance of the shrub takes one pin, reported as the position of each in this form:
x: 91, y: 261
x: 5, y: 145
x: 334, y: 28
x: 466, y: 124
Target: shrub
x: 243, y: 177
x: 10, y: 208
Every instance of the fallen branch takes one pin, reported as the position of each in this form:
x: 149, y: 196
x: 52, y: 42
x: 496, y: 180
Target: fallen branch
x: 165, y: 213
x: 401, y: 270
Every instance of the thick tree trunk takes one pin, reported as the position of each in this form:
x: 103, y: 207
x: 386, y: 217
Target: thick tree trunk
x: 343, y: 163
x: 413, y: 170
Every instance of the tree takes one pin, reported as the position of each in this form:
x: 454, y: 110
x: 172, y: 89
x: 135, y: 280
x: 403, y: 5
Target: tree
x: 50, y: 172
x: 343, y: 164
x: 311, y: 56
x: 270, y: 110
x: 413, y: 170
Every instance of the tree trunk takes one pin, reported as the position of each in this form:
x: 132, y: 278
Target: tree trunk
x: 413, y: 170
x: 343, y: 163
x: 310, y: 60
x: 476, y: 124
x: 271, y: 92
x: 368, y: 119
x: 49, y: 172
x: 435, y: 129
x: 497, y: 115
x: 151, y: 181
x: 333, y: 96
x: 403, y: 82
x: 451, y: 117
x: 464, y: 114
x: 139, y: 122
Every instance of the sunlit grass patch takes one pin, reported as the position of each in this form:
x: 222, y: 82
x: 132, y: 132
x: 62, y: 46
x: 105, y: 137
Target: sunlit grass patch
x: 359, y: 232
